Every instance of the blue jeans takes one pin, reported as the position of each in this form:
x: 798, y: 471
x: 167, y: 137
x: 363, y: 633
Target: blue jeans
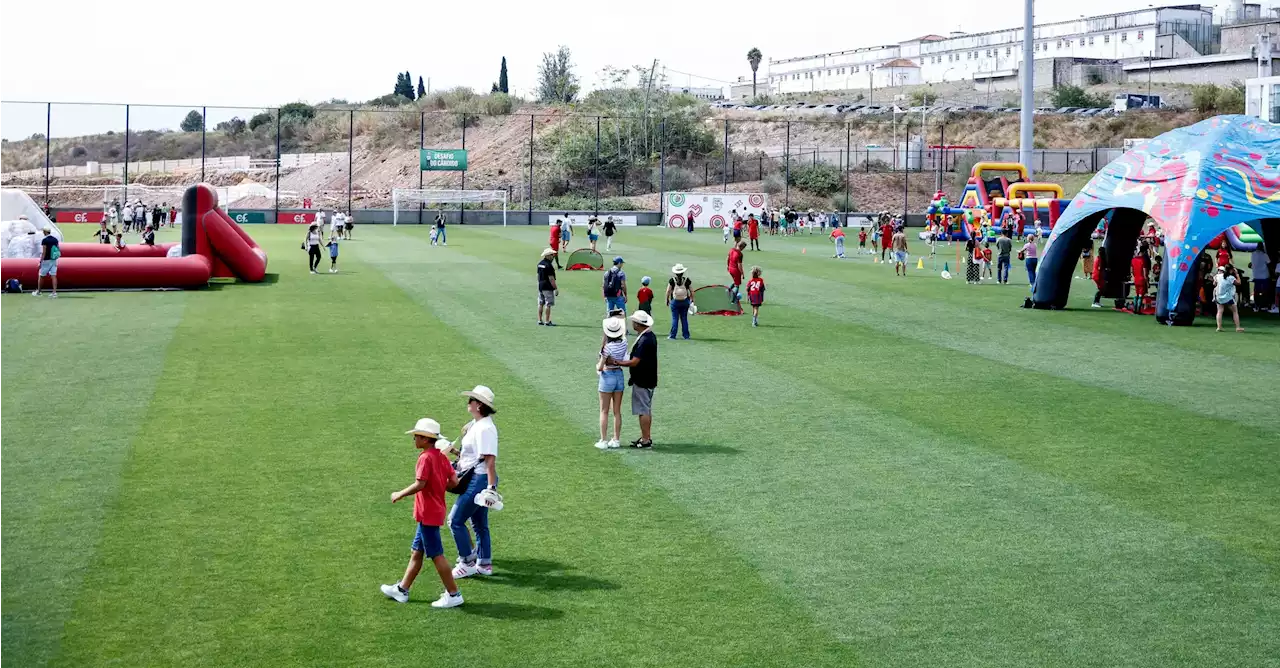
x: 440, y: 235
x: 1002, y: 268
x: 615, y: 303
x: 1031, y: 269
x: 679, y: 316
x: 427, y: 541
x: 464, y: 508
x: 839, y: 246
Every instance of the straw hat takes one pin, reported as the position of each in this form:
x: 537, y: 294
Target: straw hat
x: 548, y: 253
x: 482, y: 394
x: 426, y: 427
x: 642, y: 318
x: 614, y: 327
x: 678, y: 269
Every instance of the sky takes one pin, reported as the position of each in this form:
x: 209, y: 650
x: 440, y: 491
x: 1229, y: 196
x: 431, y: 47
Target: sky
x: 267, y: 53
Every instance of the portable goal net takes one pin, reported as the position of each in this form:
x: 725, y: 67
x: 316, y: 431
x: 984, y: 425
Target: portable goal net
x: 585, y: 258
x: 405, y: 200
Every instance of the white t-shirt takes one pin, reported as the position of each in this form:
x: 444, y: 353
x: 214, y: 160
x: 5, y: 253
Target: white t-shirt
x: 128, y: 214
x: 480, y: 440
x: 1226, y: 288
x: 313, y: 239
x: 339, y: 219
x: 1259, y: 259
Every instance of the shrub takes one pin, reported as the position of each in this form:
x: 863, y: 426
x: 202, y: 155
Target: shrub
x: 389, y: 100
x: 774, y: 184
x: 498, y: 104
x: 923, y: 97
x: 79, y: 152
x: 841, y: 202
x: 1204, y: 98
x: 673, y: 178
x: 964, y: 165
x: 1075, y: 96
x: 297, y: 112
x: 820, y: 179
x: 260, y: 120
x: 1231, y: 98
x: 584, y: 203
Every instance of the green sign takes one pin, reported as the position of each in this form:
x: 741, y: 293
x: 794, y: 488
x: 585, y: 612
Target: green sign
x: 442, y: 159
x: 248, y: 217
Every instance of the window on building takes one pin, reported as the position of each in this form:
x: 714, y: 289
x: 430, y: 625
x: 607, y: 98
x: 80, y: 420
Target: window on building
x: 1008, y: 50
x: 1059, y: 44
x: 1139, y: 34
x: 1275, y: 104
x: 1106, y: 39
x: 857, y: 68
x: 1124, y: 37
x: 1090, y: 40
x: 1081, y: 41
x: 988, y: 53
x: 975, y: 54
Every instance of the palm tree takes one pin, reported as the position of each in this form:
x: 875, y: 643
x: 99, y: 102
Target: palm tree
x: 754, y: 57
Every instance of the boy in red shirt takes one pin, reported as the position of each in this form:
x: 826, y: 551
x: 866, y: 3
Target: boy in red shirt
x: 432, y: 477
x: 753, y: 231
x: 555, y: 241
x: 735, y: 271
x: 862, y: 239
x: 645, y: 296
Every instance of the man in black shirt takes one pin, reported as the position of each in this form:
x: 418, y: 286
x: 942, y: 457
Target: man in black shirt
x: 644, y: 375
x: 609, y: 228
x: 547, y: 290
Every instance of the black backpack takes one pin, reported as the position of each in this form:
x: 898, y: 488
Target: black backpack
x: 612, y: 283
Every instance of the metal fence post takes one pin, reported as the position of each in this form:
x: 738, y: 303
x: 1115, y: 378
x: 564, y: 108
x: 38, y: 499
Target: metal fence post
x: 126, y: 153
x: 848, y: 141
x: 462, y: 206
x: 351, y: 147
x: 597, y: 167
x: 706, y: 173
x: 48, y: 130
x: 530, y: 169
x: 662, y: 166
x: 204, y: 130
x: 724, y: 176
x: 422, y: 143
x: 906, y: 167
x: 786, y: 198
x: 277, y: 205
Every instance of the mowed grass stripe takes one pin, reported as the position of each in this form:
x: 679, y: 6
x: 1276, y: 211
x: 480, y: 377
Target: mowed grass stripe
x: 79, y: 374
x: 253, y: 527
x: 992, y: 513
x: 1123, y: 362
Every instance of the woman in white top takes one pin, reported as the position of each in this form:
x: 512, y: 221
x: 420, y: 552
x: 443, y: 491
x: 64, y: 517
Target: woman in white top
x: 313, y: 244
x: 479, y: 453
x: 612, y: 383
x: 1224, y: 293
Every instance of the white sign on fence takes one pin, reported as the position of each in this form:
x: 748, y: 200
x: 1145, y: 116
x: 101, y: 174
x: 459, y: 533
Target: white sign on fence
x: 710, y: 209
x: 582, y: 218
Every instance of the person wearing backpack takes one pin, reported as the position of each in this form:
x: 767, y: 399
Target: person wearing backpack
x: 615, y: 287
x: 49, y: 254
x: 679, y: 299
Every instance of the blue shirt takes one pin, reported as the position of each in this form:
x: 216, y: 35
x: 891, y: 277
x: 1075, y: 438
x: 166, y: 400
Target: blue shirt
x: 47, y: 245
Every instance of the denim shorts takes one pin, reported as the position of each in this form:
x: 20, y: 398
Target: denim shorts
x: 48, y: 267
x: 427, y: 541
x: 611, y: 380
x: 615, y: 303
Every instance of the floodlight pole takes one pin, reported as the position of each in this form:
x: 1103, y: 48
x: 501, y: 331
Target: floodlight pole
x: 351, y: 144
x: 48, y: 130
x: 531, y: 169
x: 422, y: 143
x: 724, y: 171
x: 126, y: 153
x: 204, y: 130
x: 786, y: 197
x: 662, y: 166
x: 597, y: 167
x: 278, y: 114
x: 1026, y: 141
x: 462, y: 206
x: 848, y: 139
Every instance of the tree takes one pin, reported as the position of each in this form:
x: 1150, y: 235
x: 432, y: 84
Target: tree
x: 556, y: 81
x: 408, y: 83
x: 753, y: 58
x: 259, y: 120
x: 1075, y: 96
x: 194, y: 122
x: 502, y: 77
x: 404, y: 86
x: 233, y: 127
x: 422, y: 90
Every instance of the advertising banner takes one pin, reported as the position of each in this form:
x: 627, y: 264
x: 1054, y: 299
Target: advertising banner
x: 295, y: 218
x: 713, y: 210
x: 248, y: 217
x: 80, y: 217
x: 580, y: 219
x: 442, y: 159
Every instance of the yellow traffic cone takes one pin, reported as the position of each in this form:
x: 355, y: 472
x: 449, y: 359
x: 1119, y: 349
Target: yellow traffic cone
x: 920, y: 263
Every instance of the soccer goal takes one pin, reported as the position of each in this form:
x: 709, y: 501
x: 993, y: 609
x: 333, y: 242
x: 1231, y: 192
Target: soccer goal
x: 404, y: 200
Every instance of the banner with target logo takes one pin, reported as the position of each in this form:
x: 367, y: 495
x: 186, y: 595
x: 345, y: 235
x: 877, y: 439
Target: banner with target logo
x: 714, y: 210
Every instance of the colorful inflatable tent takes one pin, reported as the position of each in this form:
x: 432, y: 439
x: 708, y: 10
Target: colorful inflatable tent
x: 1195, y: 183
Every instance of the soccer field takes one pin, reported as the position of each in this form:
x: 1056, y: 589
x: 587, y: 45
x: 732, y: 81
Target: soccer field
x: 888, y: 472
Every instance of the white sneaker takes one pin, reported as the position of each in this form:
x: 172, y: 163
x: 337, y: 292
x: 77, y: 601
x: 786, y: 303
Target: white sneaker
x: 394, y: 593
x: 1097, y: 305
x: 36, y: 293
x: 602, y: 445
x: 464, y: 570
x: 446, y: 244
x: 484, y: 569
x: 313, y: 271
x: 447, y: 601
x: 613, y: 443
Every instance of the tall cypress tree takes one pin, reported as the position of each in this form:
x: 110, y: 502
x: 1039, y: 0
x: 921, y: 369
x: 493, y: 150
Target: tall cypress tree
x: 422, y: 90
x: 404, y: 85
x: 502, y: 77
x: 408, y: 85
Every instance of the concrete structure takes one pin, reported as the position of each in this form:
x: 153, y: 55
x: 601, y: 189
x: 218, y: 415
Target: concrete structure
x: 1262, y: 98
x: 1220, y: 68
x: 708, y: 93
x: 1128, y: 36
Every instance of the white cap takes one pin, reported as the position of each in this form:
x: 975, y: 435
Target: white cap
x: 426, y: 427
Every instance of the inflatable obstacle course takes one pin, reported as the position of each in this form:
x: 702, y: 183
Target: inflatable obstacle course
x: 990, y: 196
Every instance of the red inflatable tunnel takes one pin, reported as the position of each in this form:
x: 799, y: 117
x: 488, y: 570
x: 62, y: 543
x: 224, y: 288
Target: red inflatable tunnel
x: 212, y: 243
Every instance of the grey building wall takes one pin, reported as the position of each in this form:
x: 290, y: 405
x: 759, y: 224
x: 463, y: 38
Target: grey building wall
x: 1241, y: 37
x: 1210, y: 73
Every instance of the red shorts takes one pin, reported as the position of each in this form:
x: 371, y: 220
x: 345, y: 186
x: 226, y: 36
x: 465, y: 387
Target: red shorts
x: 736, y: 276
x: 1140, y: 286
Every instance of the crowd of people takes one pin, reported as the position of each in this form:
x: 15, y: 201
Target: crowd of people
x: 137, y: 216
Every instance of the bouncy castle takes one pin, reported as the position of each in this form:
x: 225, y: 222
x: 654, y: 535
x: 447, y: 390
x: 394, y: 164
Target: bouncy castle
x: 213, y: 246
x: 1217, y: 181
x: 990, y: 196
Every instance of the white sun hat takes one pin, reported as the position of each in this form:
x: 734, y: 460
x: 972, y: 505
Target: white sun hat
x: 482, y: 394
x: 548, y: 253
x: 488, y: 498
x: 642, y: 318
x: 678, y: 269
x: 426, y: 427
x: 614, y: 327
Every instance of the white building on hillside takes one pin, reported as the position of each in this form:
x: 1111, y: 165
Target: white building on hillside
x: 1262, y: 98
x: 1160, y: 32
x: 710, y: 93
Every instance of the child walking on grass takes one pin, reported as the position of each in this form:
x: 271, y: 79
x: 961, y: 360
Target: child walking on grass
x: 432, y: 476
x: 334, y: 236
x: 645, y: 296
x: 755, y: 294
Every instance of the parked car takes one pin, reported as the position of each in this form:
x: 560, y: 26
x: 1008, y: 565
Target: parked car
x: 1065, y: 110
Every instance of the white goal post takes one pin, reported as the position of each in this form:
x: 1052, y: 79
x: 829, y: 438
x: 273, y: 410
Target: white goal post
x: 408, y: 199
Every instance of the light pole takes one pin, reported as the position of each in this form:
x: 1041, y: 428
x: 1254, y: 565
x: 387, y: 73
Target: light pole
x: 1025, y: 141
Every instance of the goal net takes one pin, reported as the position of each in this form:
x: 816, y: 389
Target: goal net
x: 404, y: 200
x: 243, y: 196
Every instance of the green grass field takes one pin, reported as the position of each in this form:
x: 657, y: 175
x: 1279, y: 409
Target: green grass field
x: 888, y: 472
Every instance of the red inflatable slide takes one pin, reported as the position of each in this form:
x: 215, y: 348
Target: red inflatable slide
x: 213, y: 245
